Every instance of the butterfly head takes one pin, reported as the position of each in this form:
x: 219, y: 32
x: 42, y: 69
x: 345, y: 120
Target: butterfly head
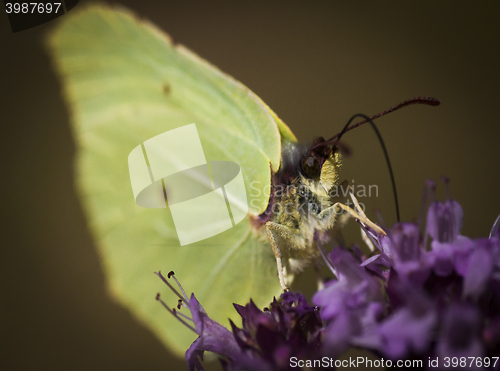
x: 314, y: 167
x: 319, y: 167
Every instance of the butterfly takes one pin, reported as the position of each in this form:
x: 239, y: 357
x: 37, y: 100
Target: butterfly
x: 125, y: 82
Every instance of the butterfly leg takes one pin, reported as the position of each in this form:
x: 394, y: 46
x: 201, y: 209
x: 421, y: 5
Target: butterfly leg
x: 331, y: 213
x: 274, y: 230
x: 359, y: 209
x: 277, y: 253
x: 362, y: 218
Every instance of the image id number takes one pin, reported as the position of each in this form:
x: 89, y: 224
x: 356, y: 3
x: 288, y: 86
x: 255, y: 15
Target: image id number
x: 470, y: 361
x: 32, y: 8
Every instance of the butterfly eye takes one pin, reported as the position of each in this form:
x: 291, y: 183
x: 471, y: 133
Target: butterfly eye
x: 310, y: 167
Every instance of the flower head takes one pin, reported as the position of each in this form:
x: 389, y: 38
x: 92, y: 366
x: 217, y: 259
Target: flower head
x: 286, y: 328
x: 348, y: 304
x: 267, y: 339
x: 212, y: 336
x: 406, y: 301
x: 461, y: 332
x: 444, y: 220
x: 410, y: 325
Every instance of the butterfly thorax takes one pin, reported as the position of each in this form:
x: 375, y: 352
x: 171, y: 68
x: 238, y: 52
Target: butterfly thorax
x: 301, y: 197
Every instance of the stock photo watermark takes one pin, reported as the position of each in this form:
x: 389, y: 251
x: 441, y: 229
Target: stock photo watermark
x: 205, y: 198
x: 364, y: 362
x: 306, y: 202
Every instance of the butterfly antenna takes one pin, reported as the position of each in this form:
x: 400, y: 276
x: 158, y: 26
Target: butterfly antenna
x: 336, y: 137
x: 416, y: 100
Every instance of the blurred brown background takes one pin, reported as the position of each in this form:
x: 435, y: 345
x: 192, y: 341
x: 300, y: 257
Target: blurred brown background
x: 315, y: 66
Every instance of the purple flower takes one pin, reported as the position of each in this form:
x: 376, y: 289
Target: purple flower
x: 290, y: 327
x: 409, y: 328
x: 448, y: 248
x: 480, y: 268
x: 460, y: 253
x: 348, y: 304
x: 402, y: 249
x: 212, y: 336
x: 441, y: 258
x: 406, y: 302
x: 406, y: 248
x: 267, y: 339
x: 444, y: 220
x: 406, y: 245
x: 460, y: 332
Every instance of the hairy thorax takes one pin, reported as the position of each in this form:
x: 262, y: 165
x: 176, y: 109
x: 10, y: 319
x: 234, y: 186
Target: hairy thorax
x: 300, y: 205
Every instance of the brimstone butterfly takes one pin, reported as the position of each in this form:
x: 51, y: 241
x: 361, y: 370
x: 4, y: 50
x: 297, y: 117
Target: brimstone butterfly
x: 127, y: 82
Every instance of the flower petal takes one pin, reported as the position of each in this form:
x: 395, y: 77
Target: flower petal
x: 479, y: 271
x: 444, y: 220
